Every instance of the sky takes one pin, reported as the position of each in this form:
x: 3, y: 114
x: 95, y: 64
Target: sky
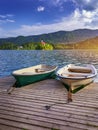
x: 33, y: 17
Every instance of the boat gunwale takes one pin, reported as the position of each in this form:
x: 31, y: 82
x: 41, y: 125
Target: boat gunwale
x: 92, y: 75
x: 32, y: 74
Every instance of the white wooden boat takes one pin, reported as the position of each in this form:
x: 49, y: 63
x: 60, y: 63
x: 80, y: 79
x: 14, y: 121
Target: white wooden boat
x: 33, y: 74
x: 76, y: 76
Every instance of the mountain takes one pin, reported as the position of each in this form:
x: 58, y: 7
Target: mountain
x: 66, y: 37
x: 91, y: 43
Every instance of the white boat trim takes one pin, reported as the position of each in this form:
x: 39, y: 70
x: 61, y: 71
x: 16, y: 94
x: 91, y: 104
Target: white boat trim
x: 74, y: 75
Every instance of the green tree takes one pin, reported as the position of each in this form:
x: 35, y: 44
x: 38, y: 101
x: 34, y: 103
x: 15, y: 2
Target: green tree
x: 8, y: 46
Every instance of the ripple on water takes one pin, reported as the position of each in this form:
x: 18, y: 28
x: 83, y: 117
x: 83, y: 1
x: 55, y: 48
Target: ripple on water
x: 12, y: 60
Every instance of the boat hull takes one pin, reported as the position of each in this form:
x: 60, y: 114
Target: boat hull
x: 76, y: 76
x: 76, y: 85
x: 33, y: 74
x: 25, y: 80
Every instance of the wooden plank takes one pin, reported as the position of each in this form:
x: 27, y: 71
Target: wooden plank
x: 53, y: 115
x: 73, y: 105
x: 49, y: 123
x: 58, y: 96
x: 6, y: 83
x: 6, y: 127
x: 41, y: 102
x: 52, y: 98
x: 26, y: 107
x: 54, y: 111
x: 55, y: 107
x: 19, y: 125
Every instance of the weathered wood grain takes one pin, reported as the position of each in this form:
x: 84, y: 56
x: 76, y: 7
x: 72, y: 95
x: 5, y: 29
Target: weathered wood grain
x: 24, y: 108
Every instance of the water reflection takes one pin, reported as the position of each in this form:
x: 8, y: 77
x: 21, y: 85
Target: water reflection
x: 13, y: 60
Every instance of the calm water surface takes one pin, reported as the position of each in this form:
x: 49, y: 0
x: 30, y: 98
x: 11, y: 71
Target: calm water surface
x: 12, y: 60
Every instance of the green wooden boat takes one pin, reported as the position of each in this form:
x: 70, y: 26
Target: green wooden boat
x: 33, y: 74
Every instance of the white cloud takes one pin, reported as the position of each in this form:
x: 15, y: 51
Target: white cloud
x: 88, y: 0
x: 2, y: 16
x: 7, y: 18
x: 9, y: 15
x: 6, y: 15
x: 89, y: 5
x: 87, y: 14
x: 6, y: 21
x: 78, y: 19
x: 10, y: 20
x: 40, y: 8
x: 57, y: 3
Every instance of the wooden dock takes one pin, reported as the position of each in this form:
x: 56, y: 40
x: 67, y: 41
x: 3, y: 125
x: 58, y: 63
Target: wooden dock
x: 26, y: 108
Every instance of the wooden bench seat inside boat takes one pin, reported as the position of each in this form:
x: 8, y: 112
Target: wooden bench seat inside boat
x: 41, y: 70
x: 79, y: 69
x: 74, y: 74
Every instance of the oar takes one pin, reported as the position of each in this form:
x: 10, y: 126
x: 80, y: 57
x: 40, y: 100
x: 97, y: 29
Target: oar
x: 11, y: 88
x: 69, y: 94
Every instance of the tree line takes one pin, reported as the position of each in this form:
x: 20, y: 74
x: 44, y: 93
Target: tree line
x: 87, y: 44
x: 26, y: 46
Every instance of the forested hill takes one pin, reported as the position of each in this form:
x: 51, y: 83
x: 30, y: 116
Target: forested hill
x: 91, y: 43
x: 65, y: 37
x: 87, y: 44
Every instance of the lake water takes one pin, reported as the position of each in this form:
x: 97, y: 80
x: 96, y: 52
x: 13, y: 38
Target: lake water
x: 11, y: 60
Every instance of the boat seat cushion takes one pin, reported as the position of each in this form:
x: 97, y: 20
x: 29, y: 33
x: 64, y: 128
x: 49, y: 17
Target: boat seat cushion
x: 79, y: 70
